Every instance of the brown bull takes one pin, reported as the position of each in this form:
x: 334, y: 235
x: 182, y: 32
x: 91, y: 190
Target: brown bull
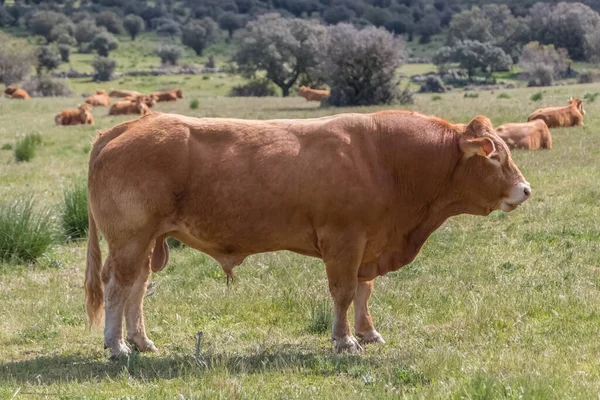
x: 312, y: 94
x: 130, y: 107
x: 100, y: 98
x: 149, y: 100
x: 82, y: 115
x: 170, y: 95
x: 532, y: 135
x: 124, y: 93
x: 16, y: 93
x: 559, y: 117
x: 363, y: 192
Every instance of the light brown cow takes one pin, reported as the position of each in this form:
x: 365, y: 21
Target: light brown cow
x: 82, y: 115
x: 124, y: 93
x: 559, y: 117
x: 150, y: 100
x: 130, y: 107
x: 312, y: 94
x: 170, y: 95
x: 363, y: 192
x: 531, y: 135
x: 18, y: 94
x: 100, y: 98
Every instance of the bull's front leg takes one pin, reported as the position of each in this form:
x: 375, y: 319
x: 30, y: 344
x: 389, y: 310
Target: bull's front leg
x: 363, y: 324
x: 342, y: 261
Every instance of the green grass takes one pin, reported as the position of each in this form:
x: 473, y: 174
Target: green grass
x: 25, y: 147
x: 537, y: 96
x: 74, y: 216
x: 436, y: 97
x: 471, y: 95
x: 505, y: 306
x: 25, y: 233
x: 503, y: 96
x: 194, y: 104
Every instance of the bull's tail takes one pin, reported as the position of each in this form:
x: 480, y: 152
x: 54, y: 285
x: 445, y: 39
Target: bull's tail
x: 94, y: 287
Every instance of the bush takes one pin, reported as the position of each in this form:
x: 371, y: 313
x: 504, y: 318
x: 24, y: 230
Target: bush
x: 74, y: 215
x: 255, y: 88
x: 24, y: 233
x: 320, y: 317
x: 543, y: 64
x: 86, y: 30
x: 361, y: 65
x: 103, y: 43
x: 503, y: 96
x: 45, y: 85
x: 198, y: 33
x: 110, y: 21
x: 65, y: 52
x: 589, y: 77
x: 194, y: 104
x: 42, y: 22
x: 6, y: 146
x: 48, y: 59
x: 169, y: 53
x: 26, y: 145
x: 432, y: 84
x: 537, y: 96
x: 590, y: 97
x: 471, y: 95
x: 211, y: 62
x: 104, y: 68
x: 133, y: 25
x: 436, y: 98
x: 16, y: 59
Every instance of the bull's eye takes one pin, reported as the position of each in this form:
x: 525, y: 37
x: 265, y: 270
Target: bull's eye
x: 495, y: 157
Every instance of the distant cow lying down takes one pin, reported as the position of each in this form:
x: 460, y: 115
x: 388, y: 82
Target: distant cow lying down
x: 363, y: 192
x: 526, y: 135
x: 100, y: 98
x: 82, y: 115
x: 557, y: 117
x: 18, y: 94
x: 170, y: 95
x: 312, y: 94
x: 149, y: 100
x: 124, y: 93
x: 130, y: 107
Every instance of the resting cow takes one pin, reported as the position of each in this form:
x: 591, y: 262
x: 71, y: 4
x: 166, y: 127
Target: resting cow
x: 363, y: 192
x: 532, y: 135
x: 170, y: 95
x: 82, y: 115
x: 18, y: 94
x: 558, y: 117
x: 312, y: 94
x: 130, y: 107
x: 100, y: 98
x: 124, y: 93
x: 149, y: 100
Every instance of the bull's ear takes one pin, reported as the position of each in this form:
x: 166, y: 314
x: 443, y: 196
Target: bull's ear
x: 480, y: 146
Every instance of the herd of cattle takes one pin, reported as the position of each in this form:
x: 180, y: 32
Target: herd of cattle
x: 131, y: 102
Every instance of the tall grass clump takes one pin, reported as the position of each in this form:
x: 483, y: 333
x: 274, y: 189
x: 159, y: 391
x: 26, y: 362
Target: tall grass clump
x: 471, y: 95
x: 321, y: 317
x: 503, y: 96
x: 537, y: 96
x: 74, y: 216
x: 26, y: 145
x: 25, y: 234
x: 194, y: 104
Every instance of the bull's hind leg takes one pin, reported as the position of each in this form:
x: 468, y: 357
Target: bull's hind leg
x: 363, y: 324
x: 122, y: 269
x: 342, y: 262
x: 134, y: 311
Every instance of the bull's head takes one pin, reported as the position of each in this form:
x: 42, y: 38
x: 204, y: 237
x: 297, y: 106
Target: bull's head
x: 577, y: 103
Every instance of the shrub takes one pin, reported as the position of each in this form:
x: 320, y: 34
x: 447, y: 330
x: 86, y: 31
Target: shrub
x: 436, y: 98
x: 86, y: 30
x: 198, y: 33
x: 537, y: 96
x: 589, y: 77
x: 407, y: 96
x: 133, y: 24
x: 543, y: 64
x: 16, y: 59
x: 254, y: 88
x: 24, y: 233
x: 590, y: 97
x: 42, y: 22
x: 503, y: 96
x: 211, y: 62
x: 103, y: 43
x: 48, y: 58
x: 45, y: 85
x: 169, y: 53
x: 74, y: 215
x: 110, y: 21
x: 320, y: 317
x: 7, y: 146
x: 25, y: 146
x: 471, y: 95
x: 432, y: 84
x: 194, y: 104
x: 104, y: 68
x: 361, y: 65
x: 65, y: 52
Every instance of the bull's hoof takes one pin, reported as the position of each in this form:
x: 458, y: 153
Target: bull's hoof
x: 143, y: 345
x: 370, y: 337
x: 348, y: 344
x: 119, y: 351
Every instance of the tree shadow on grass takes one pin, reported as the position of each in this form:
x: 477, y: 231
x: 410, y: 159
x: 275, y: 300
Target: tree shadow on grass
x: 47, y: 370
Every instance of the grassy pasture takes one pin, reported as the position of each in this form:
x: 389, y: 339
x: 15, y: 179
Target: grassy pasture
x: 506, y: 306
